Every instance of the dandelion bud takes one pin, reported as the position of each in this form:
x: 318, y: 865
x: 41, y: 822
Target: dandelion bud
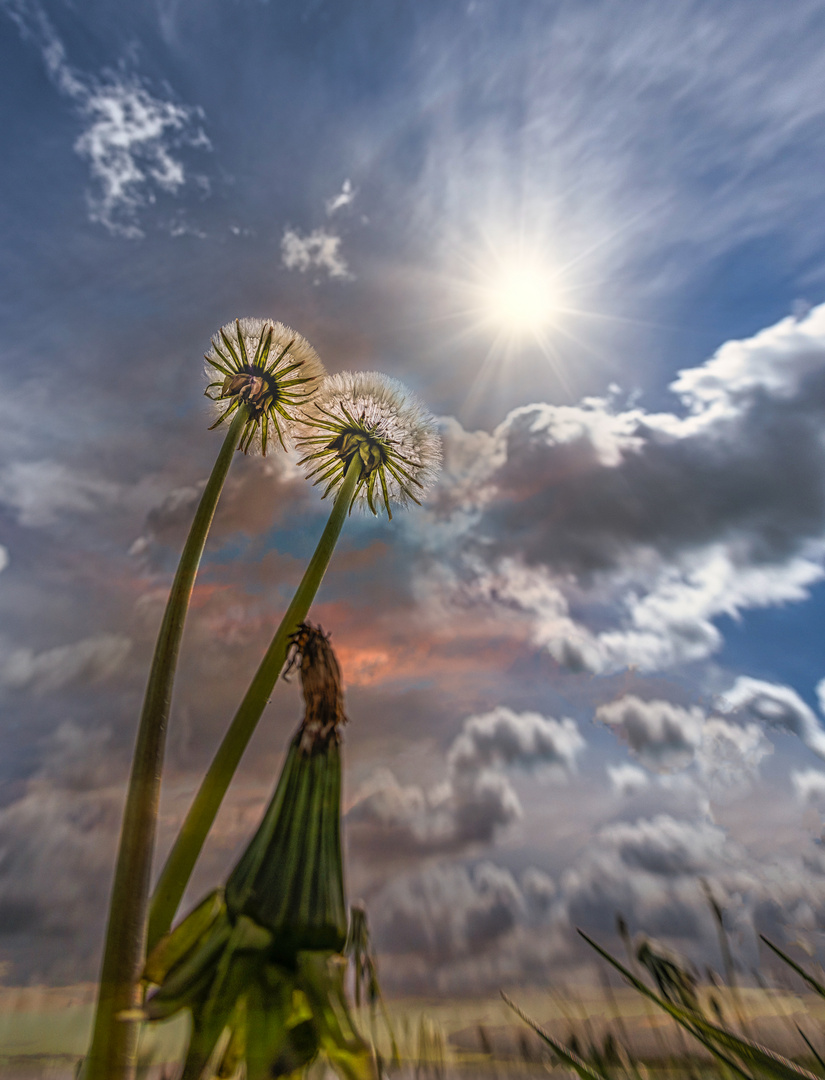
x: 266, y: 368
x: 290, y: 880
x: 373, y: 418
x: 259, y: 956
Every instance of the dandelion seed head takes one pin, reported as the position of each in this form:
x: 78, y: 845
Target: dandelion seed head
x: 375, y: 418
x: 266, y: 368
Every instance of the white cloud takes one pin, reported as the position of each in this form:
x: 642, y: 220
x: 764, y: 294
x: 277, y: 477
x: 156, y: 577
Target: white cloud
x: 692, y: 130
x: 318, y: 250
x: 132, y: 139
x: 456, y: 928
x: 777, y: 706
x: 627, y: 779
x: 820, y: 695
x: 56, y: 852
x: 344, y: 197
x: 128, y: 143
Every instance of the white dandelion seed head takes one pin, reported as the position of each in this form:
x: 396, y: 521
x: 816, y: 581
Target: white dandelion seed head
x: 376, y: 418
x: 266, y: 368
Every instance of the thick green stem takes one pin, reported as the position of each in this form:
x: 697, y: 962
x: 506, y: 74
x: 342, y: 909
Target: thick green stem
x: 183, y: 856
x: 114, y: 1042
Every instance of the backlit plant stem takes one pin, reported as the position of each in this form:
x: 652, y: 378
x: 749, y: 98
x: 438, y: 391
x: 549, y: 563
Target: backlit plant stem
x: 183, y: 856
x: 114, y: 1041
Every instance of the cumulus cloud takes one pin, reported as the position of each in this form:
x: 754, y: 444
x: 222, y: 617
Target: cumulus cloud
x: 75, y: 757
x: 91, y: 660
x: 132, y: 138
x: 617, y: 537
x: 317, y: 250
x: 777, y: 706
x: 668, y: 738
x: 476, y: 799
x: 662, y: 736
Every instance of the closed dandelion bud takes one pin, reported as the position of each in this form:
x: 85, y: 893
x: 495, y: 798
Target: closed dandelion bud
x: 290, y: 880
x: 256, y: 963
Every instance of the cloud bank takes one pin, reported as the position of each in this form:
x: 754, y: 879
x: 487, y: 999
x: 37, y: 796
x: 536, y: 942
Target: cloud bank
x: 617, y: 537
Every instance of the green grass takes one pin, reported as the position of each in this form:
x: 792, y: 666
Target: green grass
x: 44, y: 1032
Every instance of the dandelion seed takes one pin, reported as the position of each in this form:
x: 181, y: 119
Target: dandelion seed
x: 268, y: 369
x: 368, y: 416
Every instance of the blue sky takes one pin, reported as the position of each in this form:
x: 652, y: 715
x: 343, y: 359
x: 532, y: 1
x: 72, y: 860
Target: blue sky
x: 586, y: 673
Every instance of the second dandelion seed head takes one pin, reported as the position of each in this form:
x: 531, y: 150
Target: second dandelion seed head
x: 265, y: 368
x: 368, y: 418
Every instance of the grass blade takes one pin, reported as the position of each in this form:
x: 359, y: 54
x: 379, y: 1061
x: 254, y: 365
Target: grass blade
x: 585, y: 1071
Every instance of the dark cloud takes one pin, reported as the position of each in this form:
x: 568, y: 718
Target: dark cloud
x: 476, y: 799
x: 447, y: 911
x: 57, y: 848
x: 460, y: 929
x: 661, y: 735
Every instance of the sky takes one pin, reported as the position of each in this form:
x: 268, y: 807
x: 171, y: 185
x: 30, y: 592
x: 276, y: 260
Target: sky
x: 586, y: 676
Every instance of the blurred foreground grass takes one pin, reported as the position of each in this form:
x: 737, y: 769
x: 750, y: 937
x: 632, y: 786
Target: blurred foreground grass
x: 44, y: 1031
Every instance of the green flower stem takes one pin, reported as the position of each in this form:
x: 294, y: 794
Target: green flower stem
x: 183, y: 856
x: 114, y: 1041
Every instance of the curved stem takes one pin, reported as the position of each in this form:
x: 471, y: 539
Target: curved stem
x: 183, y: 856
x: 114, y: 1041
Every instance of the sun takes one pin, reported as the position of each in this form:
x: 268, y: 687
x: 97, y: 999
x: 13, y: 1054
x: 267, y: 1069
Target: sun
x: 520, y: 298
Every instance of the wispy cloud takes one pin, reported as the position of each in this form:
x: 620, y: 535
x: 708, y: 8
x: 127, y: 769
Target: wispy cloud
x: 132, y: 138
x: 318, y: 250
x: 344, y: 197
x: 89, y: 661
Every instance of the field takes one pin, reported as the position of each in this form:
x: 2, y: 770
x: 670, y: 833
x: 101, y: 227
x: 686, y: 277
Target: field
x: 43, y: 1032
